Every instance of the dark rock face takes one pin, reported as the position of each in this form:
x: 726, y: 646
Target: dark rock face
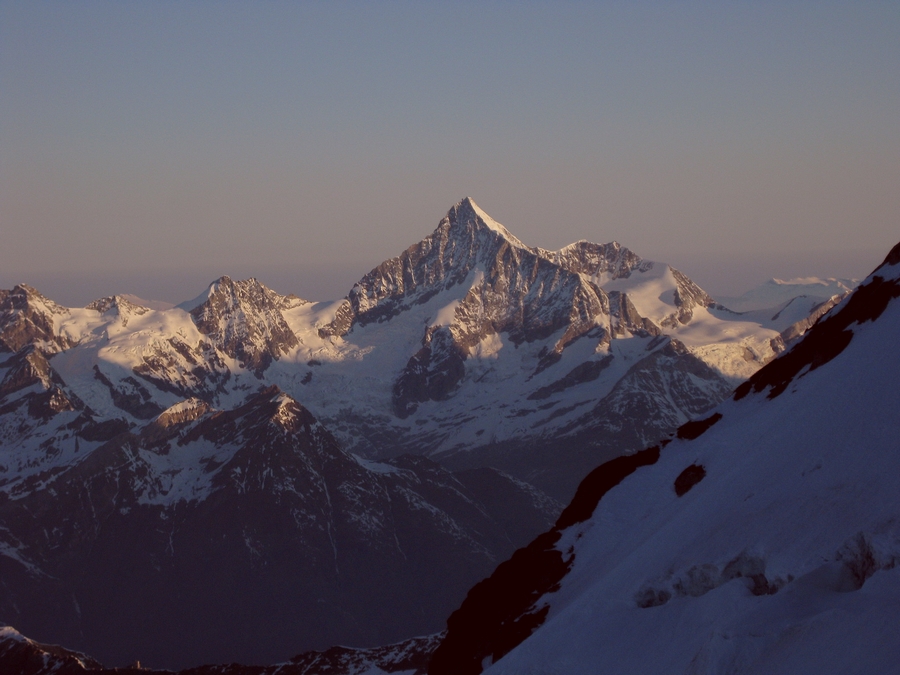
x: 628, y: 318
x: 431, y: 374
x: 147, y: 546
x: 135, y: 399
x: 600, y: 481
x: 22, y: 656
x: 688, y: 295
x: 694, y: 428
x: 27, y: 367
x: 892, y: 258
x: 639, y: 408
x: 26, y: 318
x: 503, y: 610
x: 688, y: 479
x: 583, y: 372
x: 244, y: 320
x: 797, y: 330
x: 499, y: 612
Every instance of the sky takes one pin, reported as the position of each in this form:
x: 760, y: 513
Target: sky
x: 149, y: 148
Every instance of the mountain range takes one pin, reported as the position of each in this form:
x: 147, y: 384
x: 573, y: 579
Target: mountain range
x: 248, y: 475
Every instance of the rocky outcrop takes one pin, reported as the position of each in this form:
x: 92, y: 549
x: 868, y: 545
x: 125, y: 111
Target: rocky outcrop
x: 600, y: 262
x: 243, y: 319
x: 27, y: 318
x: 22, y: 656
x: 27, y: 367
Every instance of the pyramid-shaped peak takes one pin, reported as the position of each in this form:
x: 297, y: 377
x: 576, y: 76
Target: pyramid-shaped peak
x: 467, y: 213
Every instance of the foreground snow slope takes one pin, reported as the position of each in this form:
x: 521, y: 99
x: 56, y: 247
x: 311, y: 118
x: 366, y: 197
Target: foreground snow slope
x: 762, y: 539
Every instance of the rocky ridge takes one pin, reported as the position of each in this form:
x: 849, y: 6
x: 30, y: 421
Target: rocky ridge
x: 470, y: 347
x: 141, y: 545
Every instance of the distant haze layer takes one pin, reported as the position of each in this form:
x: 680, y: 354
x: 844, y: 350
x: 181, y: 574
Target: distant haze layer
x: 719, y: 274
x: 149, y: 148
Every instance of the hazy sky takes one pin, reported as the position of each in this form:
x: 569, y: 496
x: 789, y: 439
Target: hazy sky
x: 150, y: 147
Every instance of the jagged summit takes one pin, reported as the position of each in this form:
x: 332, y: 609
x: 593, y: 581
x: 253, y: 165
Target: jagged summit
x: 116, y: 303
x: 27, y: 317
x: 468, y: 212
x: 244, y: 320
x: 245, y: 290
x: 22, y: 295
x: 223, y: 284
x: 600, y: 262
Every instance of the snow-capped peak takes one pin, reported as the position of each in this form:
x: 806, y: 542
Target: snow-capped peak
x: 245, y: 321
x: 468, y: 212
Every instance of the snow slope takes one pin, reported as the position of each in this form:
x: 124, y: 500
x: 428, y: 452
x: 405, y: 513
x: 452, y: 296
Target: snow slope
x: 762, y: 539
x: 776, y: 292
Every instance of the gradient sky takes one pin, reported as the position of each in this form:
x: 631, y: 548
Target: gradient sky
x: 151, y: 147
